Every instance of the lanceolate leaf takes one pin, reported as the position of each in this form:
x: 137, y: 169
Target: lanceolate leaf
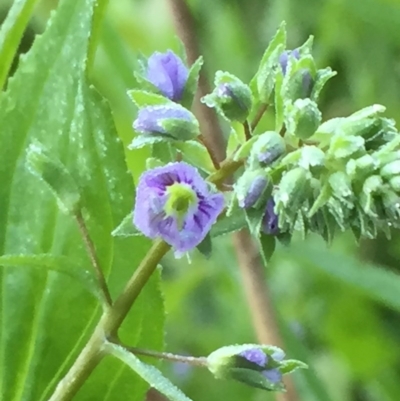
x: 11, y: 32
x: 148, y: 372
x: 46, y: 317
x: 58, y: 264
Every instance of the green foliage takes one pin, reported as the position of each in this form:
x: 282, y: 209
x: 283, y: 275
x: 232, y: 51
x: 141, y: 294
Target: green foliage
x: 338, y: 314
x: 46, y: 315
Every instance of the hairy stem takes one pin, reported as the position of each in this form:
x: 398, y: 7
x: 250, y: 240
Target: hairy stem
x: 191, y: 360
x: 257, y: 118
x: 112, y: 319
x: 247, y: 130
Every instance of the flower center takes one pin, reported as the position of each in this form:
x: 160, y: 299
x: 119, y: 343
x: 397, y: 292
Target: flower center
x: 181, y: 198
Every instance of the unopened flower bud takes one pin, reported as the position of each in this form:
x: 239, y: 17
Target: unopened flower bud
x: 391, y: 169
x: 254, y: 365
x: 284, y: 58
x: 167, y: 72
x: 268, y: 148
x: 251, y: 187
x: 231, y: 97
x: 303, y: 118
x: 270, y: 224
x: 172, y: 120
x: 394, y: 182
x: 301, y: 84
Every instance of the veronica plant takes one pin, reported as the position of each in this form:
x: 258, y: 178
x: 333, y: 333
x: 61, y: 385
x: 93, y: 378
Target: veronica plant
x: 302, y: 174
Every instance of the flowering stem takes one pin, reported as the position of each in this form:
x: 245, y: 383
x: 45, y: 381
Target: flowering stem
x: 93, y: 352
x: 260, y: 112
x: 91, y: 250
x: 228, y: 167
x: 214, y: 160
x: 191, y: 360
x: 247, y: 130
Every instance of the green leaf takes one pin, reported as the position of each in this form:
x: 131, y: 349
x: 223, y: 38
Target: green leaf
x: 267, y: 247
x: 141, y: 141
x: 323, y: 76
x: 191, y: 83
x: 254, y: 219
x: 263, y: 82
x: 59, y: 264
x: 53, y: 173
x: 143, y: 98
x: 47, y: 317
x: 197, y: 154
x: 228, y: 224
x: 126, y: 228
x: 290, y: 365
x: 205, y: 246
x: 11, y: 33
x: 148, y: 372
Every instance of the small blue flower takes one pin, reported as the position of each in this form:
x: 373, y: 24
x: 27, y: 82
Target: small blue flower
x: 175, y: 203
x: 171, y: 120
x: 168, y: 73
x: 270, y: 220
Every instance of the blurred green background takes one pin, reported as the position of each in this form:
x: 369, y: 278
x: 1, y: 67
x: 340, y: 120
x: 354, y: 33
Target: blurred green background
x: 339, y: 307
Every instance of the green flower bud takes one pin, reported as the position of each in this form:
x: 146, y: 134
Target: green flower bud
x: 302, y: 118
x: 343, y: 146
x: 390, y: 169
x: 268, y: 148
x: 292, y: 196
x: 394, y: 182
x: 256, y: 365
x: 231, y: 97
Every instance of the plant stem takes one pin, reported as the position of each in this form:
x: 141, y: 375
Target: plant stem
x: 91, y: 250
x: 263, y: 108
x: 92, y: 353
x: 191, y: 360
x: 112, y: 319
x: 247, y: 130
x: 228, y: 167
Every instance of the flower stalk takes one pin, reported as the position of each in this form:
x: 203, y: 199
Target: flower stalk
x: 108, y: 326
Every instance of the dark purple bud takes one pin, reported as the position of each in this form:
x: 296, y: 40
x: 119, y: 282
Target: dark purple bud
x: 270, y: 220
x: 284, y: 58
x: 167, y: 72
x: 256, y: 356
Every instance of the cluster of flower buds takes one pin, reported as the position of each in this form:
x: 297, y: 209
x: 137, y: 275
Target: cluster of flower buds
x: 301, y: 175
x: 256, y: 365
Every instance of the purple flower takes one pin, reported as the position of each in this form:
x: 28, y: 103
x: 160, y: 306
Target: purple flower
x: 167, y: 72
x: 171, y: 120
x: 175, y: 203
x: 255, y: 355
x: 270, y: 220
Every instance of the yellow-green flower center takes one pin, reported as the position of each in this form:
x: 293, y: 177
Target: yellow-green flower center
x: 180, y: 199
